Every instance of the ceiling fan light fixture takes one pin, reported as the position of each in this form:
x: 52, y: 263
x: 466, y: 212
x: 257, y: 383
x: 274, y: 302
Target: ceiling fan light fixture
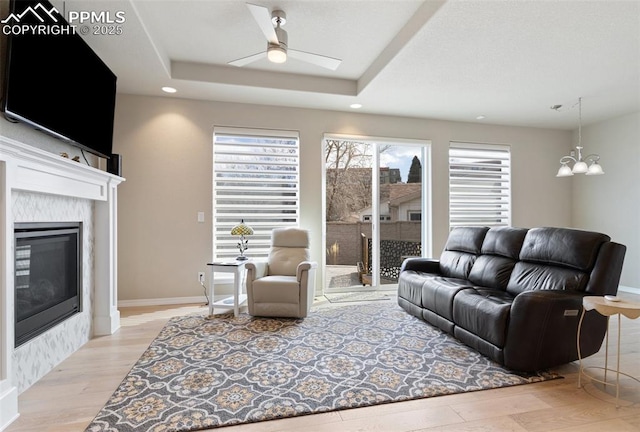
x: 277, y: 51
x: 276, y: 54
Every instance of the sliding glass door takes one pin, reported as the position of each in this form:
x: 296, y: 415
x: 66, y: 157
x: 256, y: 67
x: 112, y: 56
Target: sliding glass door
x: 377, y: 210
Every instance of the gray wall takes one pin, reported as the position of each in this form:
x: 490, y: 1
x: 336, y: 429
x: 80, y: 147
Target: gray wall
x: 611, y: 203
x: 166, y: 144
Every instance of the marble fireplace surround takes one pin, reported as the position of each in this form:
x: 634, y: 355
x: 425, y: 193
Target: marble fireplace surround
x: 26, y: 171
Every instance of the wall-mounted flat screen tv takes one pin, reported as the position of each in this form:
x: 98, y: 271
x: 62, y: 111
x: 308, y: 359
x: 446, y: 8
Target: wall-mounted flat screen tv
x: 54, y: 81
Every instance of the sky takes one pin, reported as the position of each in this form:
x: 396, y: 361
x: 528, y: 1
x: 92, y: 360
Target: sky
x: 399, y: 156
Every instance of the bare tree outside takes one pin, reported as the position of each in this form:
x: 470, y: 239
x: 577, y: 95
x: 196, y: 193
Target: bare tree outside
x: 348, y: 182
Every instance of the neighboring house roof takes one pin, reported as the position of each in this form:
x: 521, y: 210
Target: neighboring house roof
x: 399, y: 193
x: 396, y: 194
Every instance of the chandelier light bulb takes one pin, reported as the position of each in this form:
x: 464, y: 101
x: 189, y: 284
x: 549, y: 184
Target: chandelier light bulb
x: 595, y: 169
x: 580, y: 167
x: 564, y: 171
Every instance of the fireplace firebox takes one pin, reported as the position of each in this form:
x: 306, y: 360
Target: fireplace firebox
x: 48, y: 276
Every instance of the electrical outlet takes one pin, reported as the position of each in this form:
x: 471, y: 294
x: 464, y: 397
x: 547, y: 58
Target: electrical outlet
x: 201, y: 277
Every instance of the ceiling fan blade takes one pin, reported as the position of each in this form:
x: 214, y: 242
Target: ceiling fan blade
x: 316, y: 59
x: 249, y: 59
x: 263, y: 17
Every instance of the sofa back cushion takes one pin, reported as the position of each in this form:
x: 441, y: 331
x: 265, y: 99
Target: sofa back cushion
x: 504, y: 241
x: 463, y: 246
x: 492, y: 271
x: 556, y: 258
x: 289, y: 247
x: 529, y: 277
x: 500, y: 250
x: 563, y: 247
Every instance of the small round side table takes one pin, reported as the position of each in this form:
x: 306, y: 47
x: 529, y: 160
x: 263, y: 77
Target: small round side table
x: 607, y: 308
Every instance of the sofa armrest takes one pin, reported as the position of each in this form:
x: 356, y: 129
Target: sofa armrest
x: 605, y: 276
x: 543, y: 327
x: 304, y: 266
x: 256, y: 269
x: 425, y: 265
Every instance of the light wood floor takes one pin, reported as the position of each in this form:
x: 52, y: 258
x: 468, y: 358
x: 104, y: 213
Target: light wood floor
x: 70, y: 396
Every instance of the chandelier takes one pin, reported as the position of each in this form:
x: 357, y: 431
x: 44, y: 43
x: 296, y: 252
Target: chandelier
x: 580, y: 164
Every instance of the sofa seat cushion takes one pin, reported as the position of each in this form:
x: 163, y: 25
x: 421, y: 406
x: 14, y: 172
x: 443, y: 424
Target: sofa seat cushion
x: 483, y: 312
x: 276, y: 289
x: 438, y: 293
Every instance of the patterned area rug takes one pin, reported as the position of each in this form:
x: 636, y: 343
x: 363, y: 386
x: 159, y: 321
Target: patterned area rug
x: 356, y: 297
x: 202, y: 373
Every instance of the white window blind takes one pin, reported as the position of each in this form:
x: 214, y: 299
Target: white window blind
x: 479, y: 185
x: 255, y: 179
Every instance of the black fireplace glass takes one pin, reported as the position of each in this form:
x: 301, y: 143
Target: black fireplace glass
x: 48, y: 268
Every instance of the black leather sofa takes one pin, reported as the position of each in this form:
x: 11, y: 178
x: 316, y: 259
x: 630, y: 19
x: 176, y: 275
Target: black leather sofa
x: 515, y: 294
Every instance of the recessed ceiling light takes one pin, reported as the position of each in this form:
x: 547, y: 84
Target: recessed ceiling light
x: 480, y: 117
x: 356, y: 105
x: 169, y: 90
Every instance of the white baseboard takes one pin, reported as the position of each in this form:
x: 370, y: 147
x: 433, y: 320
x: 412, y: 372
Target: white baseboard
x: 222, y: 290
x: 630, y: 290
x: 161, y: 301
x: 201, y: 299
x: 8, y: 407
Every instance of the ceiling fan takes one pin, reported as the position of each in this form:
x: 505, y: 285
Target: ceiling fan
x: 277, y: 48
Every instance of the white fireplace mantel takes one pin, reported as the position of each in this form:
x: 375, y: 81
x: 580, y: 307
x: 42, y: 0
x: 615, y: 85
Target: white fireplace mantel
x: 26, y: 168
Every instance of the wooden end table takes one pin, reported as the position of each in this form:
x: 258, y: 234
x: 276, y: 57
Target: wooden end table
x: 607, y: 308
x: 238, y: 298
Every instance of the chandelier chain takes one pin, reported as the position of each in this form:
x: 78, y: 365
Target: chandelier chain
x: 580, y: 121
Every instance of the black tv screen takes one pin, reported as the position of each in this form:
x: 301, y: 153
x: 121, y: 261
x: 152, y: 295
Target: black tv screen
x: 54, y: 81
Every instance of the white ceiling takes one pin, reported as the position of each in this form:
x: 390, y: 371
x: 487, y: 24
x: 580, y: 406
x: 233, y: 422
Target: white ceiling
x: 508, y: 60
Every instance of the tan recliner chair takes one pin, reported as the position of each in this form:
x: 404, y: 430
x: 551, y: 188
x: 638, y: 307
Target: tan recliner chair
x: 282, y: 286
